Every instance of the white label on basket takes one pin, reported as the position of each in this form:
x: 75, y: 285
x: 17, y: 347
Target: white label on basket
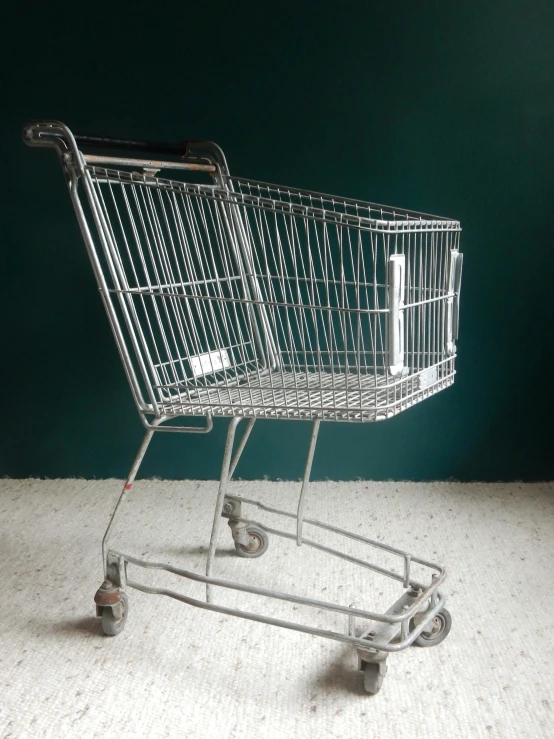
x: 428, y: 377
x: 204, y: 364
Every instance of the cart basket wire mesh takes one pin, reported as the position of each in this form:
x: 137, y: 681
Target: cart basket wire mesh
x: 244, y: 298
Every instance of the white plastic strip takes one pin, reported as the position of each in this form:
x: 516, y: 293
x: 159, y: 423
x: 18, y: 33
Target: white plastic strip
x: 457, y: 288
x: 205, y: 364
x: 453, y: 302
x: 396, y: 290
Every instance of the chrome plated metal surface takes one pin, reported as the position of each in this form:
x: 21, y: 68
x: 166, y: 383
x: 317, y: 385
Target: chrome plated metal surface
x: 241, y: 299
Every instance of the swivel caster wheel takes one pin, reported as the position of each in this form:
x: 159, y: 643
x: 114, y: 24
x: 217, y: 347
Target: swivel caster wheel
x: 374, y: 674
x: 114, y: 618
x: 258, y: 543
x: 438, y: 629
x: 112, y: 605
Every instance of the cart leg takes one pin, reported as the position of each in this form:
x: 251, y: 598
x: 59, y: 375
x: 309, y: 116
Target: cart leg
x: 306, y: 482
x: 111, y: 601
x: 128, y: 485
x: 226, y: 468
x: 241, y: 446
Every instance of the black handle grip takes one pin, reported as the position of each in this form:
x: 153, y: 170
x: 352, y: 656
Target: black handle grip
x: 50, y: 133
x: 107, y: 142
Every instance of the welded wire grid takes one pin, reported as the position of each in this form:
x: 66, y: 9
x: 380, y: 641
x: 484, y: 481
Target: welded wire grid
x: 282, y: 292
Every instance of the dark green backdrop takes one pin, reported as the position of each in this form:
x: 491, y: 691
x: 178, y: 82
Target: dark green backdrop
x: 445, y: 107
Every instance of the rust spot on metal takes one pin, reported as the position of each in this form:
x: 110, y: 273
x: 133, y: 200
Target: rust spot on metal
x: 107, y: 594
x: 95, y: 159
x: 200, y: 167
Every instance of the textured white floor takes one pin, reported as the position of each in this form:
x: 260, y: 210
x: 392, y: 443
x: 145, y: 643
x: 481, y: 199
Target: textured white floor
x: 178, y: 671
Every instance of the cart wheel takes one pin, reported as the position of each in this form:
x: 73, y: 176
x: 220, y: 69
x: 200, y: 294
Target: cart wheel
x: 257, y: 544
x: 439, y: 629
x: 110, y: 625
x: 374, y: 674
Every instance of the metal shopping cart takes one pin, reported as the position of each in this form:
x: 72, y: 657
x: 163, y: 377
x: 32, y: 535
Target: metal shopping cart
x: 247, y: 300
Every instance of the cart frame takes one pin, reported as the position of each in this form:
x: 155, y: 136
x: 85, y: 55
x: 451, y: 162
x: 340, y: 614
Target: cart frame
x: 418, y: 615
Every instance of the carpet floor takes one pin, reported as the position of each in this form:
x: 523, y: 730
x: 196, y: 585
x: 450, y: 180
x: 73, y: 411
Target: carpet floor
x: 180, y: 671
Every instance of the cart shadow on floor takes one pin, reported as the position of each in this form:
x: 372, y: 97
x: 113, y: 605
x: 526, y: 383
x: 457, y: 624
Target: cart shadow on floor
x: 341, y: 676
x: 82, y: 625
x: 196, y: 553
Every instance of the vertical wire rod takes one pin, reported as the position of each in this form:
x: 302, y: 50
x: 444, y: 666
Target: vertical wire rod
x: 126, y: 487
x: 223, y: 482
x: 241, y: 446
x: 306, y: 482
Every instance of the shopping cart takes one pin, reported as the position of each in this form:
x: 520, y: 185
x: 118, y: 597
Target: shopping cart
x: 247, y: 300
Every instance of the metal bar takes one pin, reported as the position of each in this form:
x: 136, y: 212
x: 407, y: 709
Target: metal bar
x: 315, y: 195
x: 342, y: 532
x: 306, y: 482
x: 340, y: 555
x: 436, y: 299
x: 104, y: 292
x: 190, y: 283
x: 236, y: 253
x: 352, y: 621
x: 109, y: 142
x: 191, y: 148
x: 147, y: 163
x: 251, y: 301
x: 241, y: 446
x: 337, y: 636
x: 390, y: 617
x: 224, y: 480
x: 315, y: 214
x: 378, y: 632
x: 247, y: 256
x: 179, y: 429
x: 126, y: 487
x: 407, y: 563
x: 116, y: 273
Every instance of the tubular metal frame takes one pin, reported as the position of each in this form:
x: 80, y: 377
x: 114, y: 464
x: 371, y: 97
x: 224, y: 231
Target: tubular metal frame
x: 248, y: 300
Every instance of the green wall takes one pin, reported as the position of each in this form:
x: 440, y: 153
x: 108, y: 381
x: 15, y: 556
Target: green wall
x: 445, y: 107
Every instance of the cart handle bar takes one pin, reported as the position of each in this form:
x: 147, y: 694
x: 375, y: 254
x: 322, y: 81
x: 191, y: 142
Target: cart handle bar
x: 106, y: 142
x: 41, y: 129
